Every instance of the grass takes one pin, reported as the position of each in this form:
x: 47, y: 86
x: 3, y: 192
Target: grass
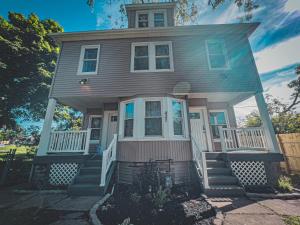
x: 292, y: 220
x: 21, y: 151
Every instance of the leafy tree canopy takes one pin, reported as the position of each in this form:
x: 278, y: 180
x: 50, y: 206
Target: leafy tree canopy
x: 27, y: 62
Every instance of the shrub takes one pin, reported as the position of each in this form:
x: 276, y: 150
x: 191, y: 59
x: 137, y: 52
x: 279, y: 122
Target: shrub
x: 285, y: 184
x: 160, y: 198
x: 292, y: 220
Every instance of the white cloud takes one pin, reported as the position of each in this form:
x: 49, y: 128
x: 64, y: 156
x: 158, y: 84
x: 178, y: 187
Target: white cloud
x: 278, y: 56
x: 292, y: 5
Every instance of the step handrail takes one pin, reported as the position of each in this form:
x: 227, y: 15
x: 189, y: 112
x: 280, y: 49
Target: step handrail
x: 108, y: 157
x: 200, y: 159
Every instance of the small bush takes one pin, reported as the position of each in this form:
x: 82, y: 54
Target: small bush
x: 285, y: 184
x: 292, y: 220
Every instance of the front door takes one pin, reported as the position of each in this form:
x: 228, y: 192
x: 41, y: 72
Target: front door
x: 111, y: 127
x: 198, y: 131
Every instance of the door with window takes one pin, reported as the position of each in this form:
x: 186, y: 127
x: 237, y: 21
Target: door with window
x: 95, y: 124
x: 111, y: 127
x: 198, y: 130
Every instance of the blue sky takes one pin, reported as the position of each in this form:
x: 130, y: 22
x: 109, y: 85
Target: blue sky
x: 276, y: 43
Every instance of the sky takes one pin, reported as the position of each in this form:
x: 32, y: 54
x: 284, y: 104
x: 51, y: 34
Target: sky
x: 275, y: 43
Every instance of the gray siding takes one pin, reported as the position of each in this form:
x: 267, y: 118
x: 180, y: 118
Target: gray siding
x: 114, y: 78
x: 143, y: 151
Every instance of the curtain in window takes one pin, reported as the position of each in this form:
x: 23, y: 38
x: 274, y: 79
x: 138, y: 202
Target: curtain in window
x: 153, y: 120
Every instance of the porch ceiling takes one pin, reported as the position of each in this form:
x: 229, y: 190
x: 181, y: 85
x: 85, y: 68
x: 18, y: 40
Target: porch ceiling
x: 81, y: 103
x: 232, y: 98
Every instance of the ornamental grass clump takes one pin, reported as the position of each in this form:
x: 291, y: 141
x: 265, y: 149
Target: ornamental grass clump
x: 285, y: 184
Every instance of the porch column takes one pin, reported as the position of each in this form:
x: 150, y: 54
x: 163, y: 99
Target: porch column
x: 45, y: 134
x: 267, y: 123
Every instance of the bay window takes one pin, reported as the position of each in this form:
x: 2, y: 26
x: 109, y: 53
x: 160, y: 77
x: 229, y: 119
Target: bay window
x: 153, y: 120
x: 152, y: 57
x: 129, y: 119
x: 217, y: 119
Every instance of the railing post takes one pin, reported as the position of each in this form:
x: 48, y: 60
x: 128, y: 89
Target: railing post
x: 87, y: 142
x: 103, y: 171
x: 222, y: 138
x: 204, y: 167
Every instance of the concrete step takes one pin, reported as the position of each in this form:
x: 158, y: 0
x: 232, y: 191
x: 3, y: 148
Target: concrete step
x: 224, y: 191
x: 218, y: 171
x: 215, y: 163
x: 93, y: 163
x: 91, y: 170
x: 84, y: 179
x: 222, y: 180
x: 85, y: 190
x: 215, y: 156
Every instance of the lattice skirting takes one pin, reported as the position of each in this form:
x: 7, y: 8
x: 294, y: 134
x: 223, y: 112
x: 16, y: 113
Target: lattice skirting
x: 249, y: 172
x: 62, y: 173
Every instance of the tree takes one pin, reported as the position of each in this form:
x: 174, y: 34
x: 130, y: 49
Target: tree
x: 27, y: 62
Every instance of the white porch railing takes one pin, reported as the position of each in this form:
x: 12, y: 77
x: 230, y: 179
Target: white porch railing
x: 200, y: 159
x: 252, y: 138
x: 69, y: 141
x: 109, y: 155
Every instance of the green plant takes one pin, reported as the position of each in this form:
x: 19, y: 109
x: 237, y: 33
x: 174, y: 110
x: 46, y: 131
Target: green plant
x: 292, y: 220
x: 284, y: 184
x: 160, y: 198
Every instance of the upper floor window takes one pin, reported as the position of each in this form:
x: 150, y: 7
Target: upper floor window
x: 152, y: 57
x: 217, y: 54
x: 88, y: 62
x: 151, y: 18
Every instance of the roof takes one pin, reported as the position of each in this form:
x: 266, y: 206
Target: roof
x: 244, y: 28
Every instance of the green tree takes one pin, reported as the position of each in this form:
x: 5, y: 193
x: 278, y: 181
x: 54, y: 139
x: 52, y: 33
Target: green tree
x: 27, y: 62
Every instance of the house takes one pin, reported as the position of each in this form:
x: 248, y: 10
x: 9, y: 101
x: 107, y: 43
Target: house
x: 162, y: 93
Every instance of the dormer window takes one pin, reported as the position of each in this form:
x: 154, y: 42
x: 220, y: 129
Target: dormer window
x: 151, y: 18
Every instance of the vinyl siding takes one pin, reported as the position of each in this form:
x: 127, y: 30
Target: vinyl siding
x: 191, y: 72
x: 143, y: 151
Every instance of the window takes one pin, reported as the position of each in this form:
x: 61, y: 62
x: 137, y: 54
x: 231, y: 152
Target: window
x: 141, y: 58
x: 129, y: 117
x: 177, y: 117
x: 217, y: 56
x: 95, y: 125
x: 153, y: 120
x: 152, y: 57
x: 143, y: 20
x: 88, y: 63
x: 217, y: 119
x: 159, y: 19
x: 162, y: 57
x: 151, y: 18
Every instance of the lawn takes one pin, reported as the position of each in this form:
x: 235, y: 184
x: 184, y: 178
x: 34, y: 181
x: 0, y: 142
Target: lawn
x: 21, y: 151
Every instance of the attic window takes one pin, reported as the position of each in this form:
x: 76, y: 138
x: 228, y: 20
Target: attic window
x: 151, y: 18
x: 159, y: 19
x: 143, y: 20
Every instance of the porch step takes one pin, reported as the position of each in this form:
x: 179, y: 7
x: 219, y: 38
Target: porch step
x: 93, y: 163
x: 218, y: 171
x: 91, y: 170
x: 85, y: 190
x: 224, y: 191
x: 87, y: 179
x: 222, y: 180
x: 215, y: 156
x: 215, y: 163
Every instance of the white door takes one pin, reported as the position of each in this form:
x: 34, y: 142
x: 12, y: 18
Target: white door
x: 111, y: 127
x: 198, y: 131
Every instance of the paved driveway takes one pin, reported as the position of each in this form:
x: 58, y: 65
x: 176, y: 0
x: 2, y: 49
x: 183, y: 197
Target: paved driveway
x: 244, y: 211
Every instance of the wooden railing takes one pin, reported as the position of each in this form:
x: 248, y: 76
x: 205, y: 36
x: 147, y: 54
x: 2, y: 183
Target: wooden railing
x: 69, y: 141
x: 233, y: 139
x: 109, y: 156
x: 200, y: 160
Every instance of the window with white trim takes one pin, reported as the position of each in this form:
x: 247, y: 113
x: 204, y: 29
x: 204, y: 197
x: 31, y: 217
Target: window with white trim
x: 152, y: 57
x: 177, y: 109
x: 217, y: 119
x: 217, y: 54
x: 89, y: 57
x: 153, y: 119
x: 129, y: 119
x: 151, y: 18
